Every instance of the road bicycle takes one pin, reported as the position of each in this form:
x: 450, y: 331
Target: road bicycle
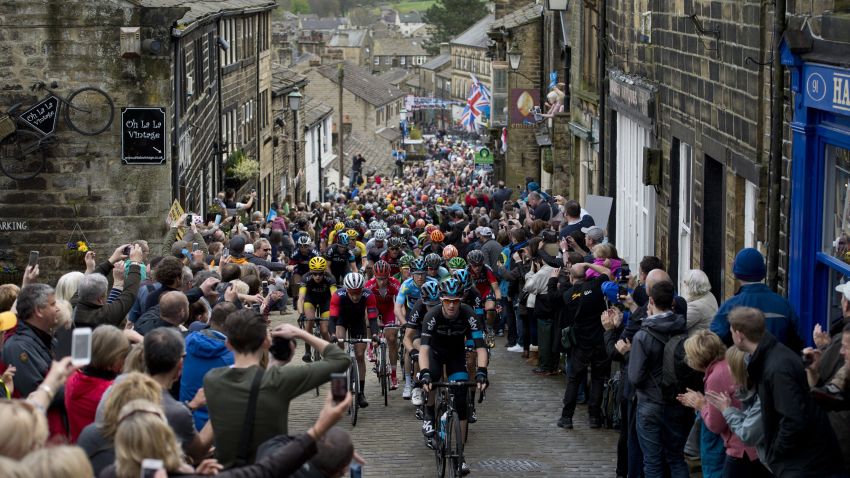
x: 317, y: 332
x: 382, y: 367
x: 448, y: 438
x: 26, y: 135
x: 353, y: 377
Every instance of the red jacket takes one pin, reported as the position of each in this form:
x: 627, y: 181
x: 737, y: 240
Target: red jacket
x: 718, y: 379
x: 82, y: 394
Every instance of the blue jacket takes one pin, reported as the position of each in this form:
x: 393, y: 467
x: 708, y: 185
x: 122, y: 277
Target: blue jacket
x: 780, y: 318
x: 205, y: 350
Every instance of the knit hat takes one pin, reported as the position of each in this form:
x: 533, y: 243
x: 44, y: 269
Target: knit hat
x: 749, y: 265
x: 533, y: 186
x: 237, y: 245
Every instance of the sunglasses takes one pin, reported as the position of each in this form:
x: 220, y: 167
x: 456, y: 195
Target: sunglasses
x: 451, y: 301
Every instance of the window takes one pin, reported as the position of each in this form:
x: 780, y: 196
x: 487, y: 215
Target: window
x: 377, y: 61
x: 836, y: 221
x: 185, y: 83
x: 499, y: 108
x: 750, y: 199
x: 264, y: 31
x: 402, y: 60
x: 212, y: 48
x: 228, y: 34
x: 589, y: 64
x: 264, y: 109
x: 198, y: 62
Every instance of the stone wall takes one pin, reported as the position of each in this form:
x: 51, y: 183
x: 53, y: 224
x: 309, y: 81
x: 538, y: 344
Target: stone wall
x: 359, y: 113
x: 77, y: 44
x: 523, y: 156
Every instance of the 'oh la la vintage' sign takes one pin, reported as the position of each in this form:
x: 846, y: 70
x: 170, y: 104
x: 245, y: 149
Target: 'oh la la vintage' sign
x: 143, y: 135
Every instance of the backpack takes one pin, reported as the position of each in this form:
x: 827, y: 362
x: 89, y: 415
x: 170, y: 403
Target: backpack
x: 676, y: 375
x: 612, y: 419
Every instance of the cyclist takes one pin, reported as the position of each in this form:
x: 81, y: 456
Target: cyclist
x: 357, y: 247
x: 434, y: 267
x: 376, y: 246
x: 341, y: 259
x: 486, y: 283
x: 436, y: 244
x: 385, y: 289
x: 393, y: 254
x: 429, y: 299
x: 314, y: 297
x: 472, y: 298
x: 404, y: 268
x: 456, y: 264
x: 407, y: 296
x: 449, y: 252
x: 444, y: 332
x: 353, y: 310
x: 300, y: 260
x: 338, y: 227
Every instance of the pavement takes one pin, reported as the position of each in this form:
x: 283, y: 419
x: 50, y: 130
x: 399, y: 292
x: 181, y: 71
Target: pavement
x: 516, y: 433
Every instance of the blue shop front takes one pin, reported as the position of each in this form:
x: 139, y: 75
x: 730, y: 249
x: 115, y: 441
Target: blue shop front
x: 819, y: 243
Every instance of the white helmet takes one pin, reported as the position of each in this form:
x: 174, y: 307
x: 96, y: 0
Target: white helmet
x: 353, y: 280
x: 304, y: 240
x: 380, y: 234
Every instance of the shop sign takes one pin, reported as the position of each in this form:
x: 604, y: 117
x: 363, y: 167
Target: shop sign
x: 827, y: 88
x: 629, y: 94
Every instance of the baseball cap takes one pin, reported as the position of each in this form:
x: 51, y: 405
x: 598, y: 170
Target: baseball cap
x: 595, y: 232
x: 843, y: 288
x: 8, y: 320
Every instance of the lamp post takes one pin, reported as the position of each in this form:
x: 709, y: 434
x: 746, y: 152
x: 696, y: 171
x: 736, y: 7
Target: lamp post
x: 294, y: 98
x: 558, y: 5
x: 402, y: 124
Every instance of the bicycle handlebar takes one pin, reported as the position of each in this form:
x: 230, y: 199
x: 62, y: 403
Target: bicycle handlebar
x: 355, y: 341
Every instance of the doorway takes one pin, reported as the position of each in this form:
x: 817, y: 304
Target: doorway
x: 713, y: 228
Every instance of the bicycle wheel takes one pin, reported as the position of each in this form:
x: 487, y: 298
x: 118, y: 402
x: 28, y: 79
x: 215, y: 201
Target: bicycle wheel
x: 385, y: 386
x: 89, y: 111
x: 22, y: 155
x: 440, y: 442
x: 454, y: 444
x: 354, y: 378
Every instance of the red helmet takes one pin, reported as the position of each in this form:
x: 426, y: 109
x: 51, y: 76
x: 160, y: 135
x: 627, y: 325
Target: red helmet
x: 382, y: 269
x: 449, y: 252
x: 420, y: 223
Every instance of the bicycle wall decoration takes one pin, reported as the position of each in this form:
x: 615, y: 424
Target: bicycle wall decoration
x: 26, y: 136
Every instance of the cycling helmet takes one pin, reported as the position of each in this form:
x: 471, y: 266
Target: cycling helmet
x: 475, y: 257
x: 462, y: 276
x: 430, y: 292
x: 382, y: 269
x: 353, y: 280
x: 404, y: 261
x: 374, y: 225
x: 318, y: 264
x: 339, y: 226
x: 417, y: 265
x: 457, y: 263
x: 433, y: 261
x: 380, y: 234
x: 394, y: 242
x: 349, y: 224
x: 449, y: 252
x: 420, y: 223
x: 395, y: 230
x: 430, y: 228
x: 437, y: 236
x: 451, y: 289
x: 342, y: 239
x: 304, y: 240
x: 352, y: 234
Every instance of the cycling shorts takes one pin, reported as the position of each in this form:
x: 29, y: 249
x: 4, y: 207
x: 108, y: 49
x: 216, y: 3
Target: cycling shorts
x: 356, y: 327
x: 455, y: 363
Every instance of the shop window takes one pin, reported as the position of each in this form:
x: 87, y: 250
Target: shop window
x: 836, y: 221
x: 499, y: 109
x: 590, y: 47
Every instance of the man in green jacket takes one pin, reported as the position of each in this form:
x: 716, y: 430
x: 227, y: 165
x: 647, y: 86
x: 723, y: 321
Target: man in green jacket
x: 227, y: 389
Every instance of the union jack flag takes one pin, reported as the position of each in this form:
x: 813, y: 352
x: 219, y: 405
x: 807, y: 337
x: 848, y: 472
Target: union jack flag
x: 477, y: 104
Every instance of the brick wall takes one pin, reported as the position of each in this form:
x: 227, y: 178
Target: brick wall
x: 77, y: 44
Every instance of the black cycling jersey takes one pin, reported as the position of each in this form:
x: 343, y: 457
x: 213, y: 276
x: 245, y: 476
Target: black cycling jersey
x: 472, y: 298
x: 442, y: 332
x: 339, y: 261
x: 349, y: 314
x: 302, y: 261
x: 317, y: 293
x: 417, y: 313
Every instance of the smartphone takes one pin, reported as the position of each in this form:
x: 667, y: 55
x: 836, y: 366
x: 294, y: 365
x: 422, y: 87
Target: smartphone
x: 194, y: 246
x: 355, y: 470
x: 217, y: 220
x: 265, y: 288
x: 339, y: 386
x: 150, y: 467
x: 33, y: 259
x: 81, y: 347
x: 126, y: 250
x: 188, y: 219
x: 225, y: 252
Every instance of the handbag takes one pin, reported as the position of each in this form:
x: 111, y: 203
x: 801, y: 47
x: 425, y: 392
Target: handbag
x: 248, y: 427
x: 568, y: 338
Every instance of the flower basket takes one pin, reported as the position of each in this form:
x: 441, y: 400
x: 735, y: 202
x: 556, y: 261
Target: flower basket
x: 10, y: 274
x: 76, y: 247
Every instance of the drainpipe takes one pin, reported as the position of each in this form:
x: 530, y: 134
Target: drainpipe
x: 175, y: 127
x: 602, y: 83
x: 775, y: 181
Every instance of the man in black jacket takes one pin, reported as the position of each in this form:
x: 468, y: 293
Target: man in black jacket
x: 92, y: 309
x: 586, y: 299
x: 798, y: 438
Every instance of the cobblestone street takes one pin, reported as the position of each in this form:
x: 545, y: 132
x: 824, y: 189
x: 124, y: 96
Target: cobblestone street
x: 515, y: 435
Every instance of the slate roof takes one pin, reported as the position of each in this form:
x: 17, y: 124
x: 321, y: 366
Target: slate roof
x: 284, y: 79
x: 362, y: 83
x: 410, y: 17
x: 322, y: 24
x: 395, y: 75
x: 348, y: 38
x: 398, y: 47
x: 313, y: 110
x: 476, y: 35
x: 389, y: 134
x: 378, y: 154
x: 520, y: 16
x: 200, y: 9
x: 436, y: 62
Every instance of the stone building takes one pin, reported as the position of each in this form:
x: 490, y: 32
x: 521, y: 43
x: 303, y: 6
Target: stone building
x: 469, y: 57
x: 389, y: 53
x: 355, y: 45
x: 370, y: 105
x: 321, y: 171
x: 162, y: 56
x: 435, y: 82
x: 282, y: 174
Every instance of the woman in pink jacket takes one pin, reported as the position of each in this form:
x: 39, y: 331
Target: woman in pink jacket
x: 705, y: 352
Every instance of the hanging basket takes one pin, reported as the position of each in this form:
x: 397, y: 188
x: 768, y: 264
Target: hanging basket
x: 76, y: 246
x: 548, y: 163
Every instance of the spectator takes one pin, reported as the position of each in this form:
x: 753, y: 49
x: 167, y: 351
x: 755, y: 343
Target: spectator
x: 782, y: 323
x: 798, y: 437
x: 164, y: 352
x: 173, y: 311
x: 705, y: 353
x: 30, y: 349
x: 575, y: 218
x: 334, y: 453
x: 93, y: 310
x: 169, y: 275
x: 490, y: 247
x: 501, y: 195
x: 25, y: 428
x: 205, y: 350
x: 67, y: 286
x: 662, y: 423
x: 227, y: 389
x: 85, y: 387
x: 97, y: 438
x: 8, y: 296
x: 537, y: 208
x: 262, y: 256
x: 584, y: 302
x: 57, y: 462
x: 701, y: 302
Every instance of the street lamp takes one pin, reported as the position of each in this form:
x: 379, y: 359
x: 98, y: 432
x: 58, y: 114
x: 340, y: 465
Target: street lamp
x: 558, y: 5
x: 294, y: 99
x: 514, y: 56
x: 402, y: 115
